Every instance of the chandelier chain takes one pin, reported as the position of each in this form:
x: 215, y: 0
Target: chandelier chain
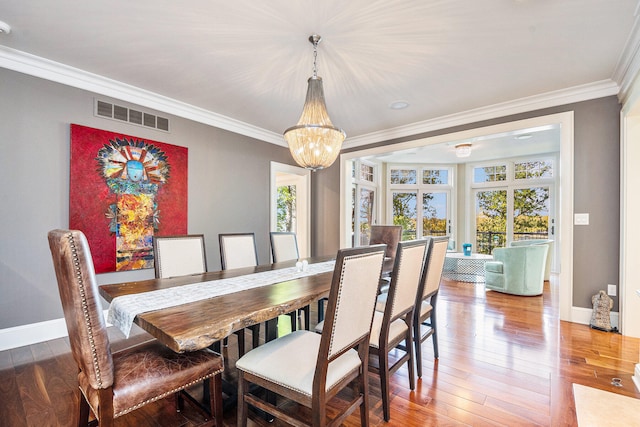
x: 315, y: 59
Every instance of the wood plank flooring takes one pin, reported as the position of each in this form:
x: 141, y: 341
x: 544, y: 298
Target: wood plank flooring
x: 504, y: 361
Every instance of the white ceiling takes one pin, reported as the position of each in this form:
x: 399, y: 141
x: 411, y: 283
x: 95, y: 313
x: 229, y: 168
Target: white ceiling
x: 248, y: 61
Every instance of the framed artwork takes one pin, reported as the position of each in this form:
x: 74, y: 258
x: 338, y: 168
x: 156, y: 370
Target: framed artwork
x: 123, y: 190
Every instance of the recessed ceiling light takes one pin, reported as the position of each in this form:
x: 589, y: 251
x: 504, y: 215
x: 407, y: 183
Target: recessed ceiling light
x: 398, y: 105
x: 4, y: 28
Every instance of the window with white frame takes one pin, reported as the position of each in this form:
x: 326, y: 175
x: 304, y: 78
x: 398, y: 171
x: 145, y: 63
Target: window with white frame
x: 364, y: 192
x: 420, y: 199
x: 513, y: 200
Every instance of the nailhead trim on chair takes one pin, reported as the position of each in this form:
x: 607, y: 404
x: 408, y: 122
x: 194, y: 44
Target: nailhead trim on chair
x: 163, y: 395
x: 339, y: 295
x: 85, y: 310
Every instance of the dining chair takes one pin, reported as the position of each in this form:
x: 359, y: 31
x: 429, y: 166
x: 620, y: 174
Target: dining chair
x: 112, y: 384
x: 238, y: 250
x: 182, y: 255
x: 179, y: 255
x: 427, y: 297
x: 393, y: 319
x: 311, y: 369
x: 390, y: 235
x: 284, y: 247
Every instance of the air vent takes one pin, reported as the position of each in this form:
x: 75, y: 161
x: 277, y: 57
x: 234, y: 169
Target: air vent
x: 118, y: 112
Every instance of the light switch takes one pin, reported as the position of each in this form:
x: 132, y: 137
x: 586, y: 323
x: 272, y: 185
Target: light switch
x: 581, y: 219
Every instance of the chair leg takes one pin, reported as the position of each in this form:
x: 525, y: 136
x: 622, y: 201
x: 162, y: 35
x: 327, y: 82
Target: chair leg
x: 321, y: 309
x: 215, y: 399
x: 307, y: 316
x: 255, y: 335
x: 364, y: 406
x: 294, y: 320
x: 241, y: 349
x: 417, y: 339
x: 410, y: 369
x: 384, y: 381
x: 83, y: 410
x: 434, y: 336
x: 243, y: 407
x: 179, y: 402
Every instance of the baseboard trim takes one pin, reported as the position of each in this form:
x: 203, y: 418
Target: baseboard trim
x: 583, y: 316
x: 33, y: 333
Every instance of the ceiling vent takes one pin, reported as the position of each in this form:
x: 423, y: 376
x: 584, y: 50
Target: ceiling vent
x: 140, y: 118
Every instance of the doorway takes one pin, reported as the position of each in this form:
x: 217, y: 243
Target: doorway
x: 290, y: 188
x: 563, y: 225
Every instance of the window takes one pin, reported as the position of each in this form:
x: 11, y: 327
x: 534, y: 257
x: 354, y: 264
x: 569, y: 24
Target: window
x: 405, y: 213
x: 363, y: 201
x: 366, y: 172
x: 286, y: 204
x: 490, y: 174
x: 420, y: 200
x: 403, y: 176
x: 512, y: 202
x: 534, y: 169
x: 435, y: 176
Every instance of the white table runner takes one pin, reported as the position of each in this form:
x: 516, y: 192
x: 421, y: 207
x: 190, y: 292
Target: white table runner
x: 124, y: 309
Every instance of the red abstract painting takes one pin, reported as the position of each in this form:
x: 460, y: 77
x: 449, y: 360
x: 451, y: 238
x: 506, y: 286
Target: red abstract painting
x: 124, y: 190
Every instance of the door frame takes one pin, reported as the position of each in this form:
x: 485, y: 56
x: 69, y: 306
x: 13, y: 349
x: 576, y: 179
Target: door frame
x: 565, y: 210
x: 302, y: 178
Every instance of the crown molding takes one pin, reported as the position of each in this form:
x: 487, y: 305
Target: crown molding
x: 36, y: 66
x: 628, y: 65
x: 54, y: 71
x: 550, y: 99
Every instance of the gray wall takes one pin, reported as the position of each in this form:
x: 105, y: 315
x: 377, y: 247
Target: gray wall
x: 596, y: 191
x: 223, y: 197
x: 228, y: 187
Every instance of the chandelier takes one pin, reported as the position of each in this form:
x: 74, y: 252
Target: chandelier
x: 314, y: 142
x: 463, y: 150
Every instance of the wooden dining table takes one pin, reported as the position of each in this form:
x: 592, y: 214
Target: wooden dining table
x: 196, y: 325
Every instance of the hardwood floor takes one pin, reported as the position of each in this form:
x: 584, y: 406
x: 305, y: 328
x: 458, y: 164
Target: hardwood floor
x: 504, y: 360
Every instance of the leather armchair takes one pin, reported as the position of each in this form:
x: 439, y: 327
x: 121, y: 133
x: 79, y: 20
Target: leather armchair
x: 114, y: 384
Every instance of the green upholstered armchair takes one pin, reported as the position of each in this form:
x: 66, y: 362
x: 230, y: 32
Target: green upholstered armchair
x: 548, y: 242
x: 517, y: 270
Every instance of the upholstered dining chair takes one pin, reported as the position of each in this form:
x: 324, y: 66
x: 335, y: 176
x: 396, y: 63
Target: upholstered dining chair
x: 393, y: 319
x: 114, y: 384
x: 424, y: 315
x: 238, y: 250
x: 311, y: 369
x: 182, y: 255
x: 179, y: 255
x: 390, y: 235
x: 284, y: 247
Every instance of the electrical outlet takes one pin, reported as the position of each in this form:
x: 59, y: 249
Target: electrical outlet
x: 611, y: 290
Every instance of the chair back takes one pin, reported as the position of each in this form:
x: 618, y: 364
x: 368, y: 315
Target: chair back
x: 238, y: 250
x: 405, y: 278
x: 284, y: 246
x: 352, y: 300
x: 434, y: 264
x: 390, y: 235
x: 80, y: 303
x: 179, y: 255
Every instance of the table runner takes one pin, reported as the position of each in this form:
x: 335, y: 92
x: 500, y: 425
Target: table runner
x: 124, y: 309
